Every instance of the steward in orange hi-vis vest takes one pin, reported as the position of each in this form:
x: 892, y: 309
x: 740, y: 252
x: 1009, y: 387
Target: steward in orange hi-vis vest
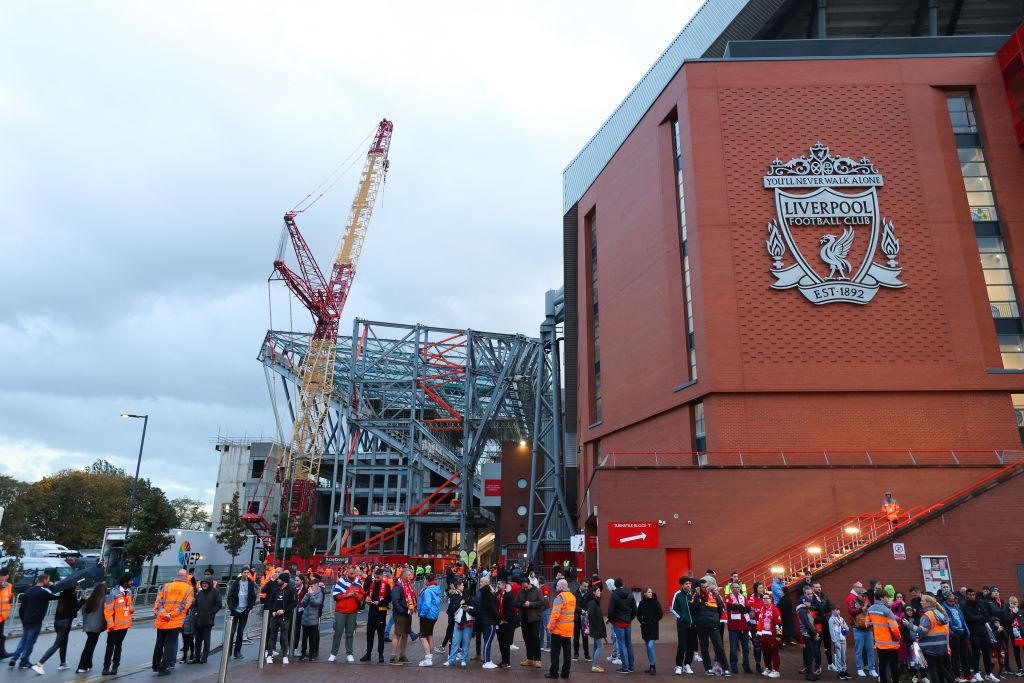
x: 563, y: 615
x: 172, y: 603
x: 118, y: 609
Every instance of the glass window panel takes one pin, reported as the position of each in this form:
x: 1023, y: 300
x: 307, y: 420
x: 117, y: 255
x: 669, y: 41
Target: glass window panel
x: 991, y: 245
x: 1005, y: 309
x: 1018, y: 408
x: 980, y: 199
x: 1013, y: 361
x: 959, y: 119
x: 998, y: 276
x: 977, y: 184
x: 970, y: 154
x: 993, y: 261
x: 1001, y: 293
x: 983, y: 213
x: 956, y: 102
x: 1011, y: 343
x: 973, y: 168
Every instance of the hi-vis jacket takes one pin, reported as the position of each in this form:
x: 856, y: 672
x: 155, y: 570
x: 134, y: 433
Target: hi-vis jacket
x: 172, y: 604
x: 118, y: 609
x: 563, y: 615
x: 883, y: 624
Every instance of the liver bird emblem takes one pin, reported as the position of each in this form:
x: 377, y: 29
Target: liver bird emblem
x: 834, y: 253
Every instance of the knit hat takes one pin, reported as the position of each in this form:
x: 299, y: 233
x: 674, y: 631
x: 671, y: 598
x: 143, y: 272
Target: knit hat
x: 284, y: 576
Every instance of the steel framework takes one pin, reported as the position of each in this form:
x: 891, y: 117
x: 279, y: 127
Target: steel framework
x: 549, y: 522
x: 420, y: 409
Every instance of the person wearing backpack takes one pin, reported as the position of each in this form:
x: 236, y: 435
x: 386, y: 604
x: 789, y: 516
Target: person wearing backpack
x: 621, y: 612
x: 863, y: 638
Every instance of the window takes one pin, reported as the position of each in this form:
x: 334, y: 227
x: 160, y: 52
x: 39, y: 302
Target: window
x: 684, y: 254
x: 1011, y: 348
x: 1018, y: 408
x: 995, y: 266
x: 699, y: 434
x: 595, y: 325
x: 522, y: 483
x: 521, y: 538
x: 257, y: 469
x: 521, y: 510
x: 961, y: 112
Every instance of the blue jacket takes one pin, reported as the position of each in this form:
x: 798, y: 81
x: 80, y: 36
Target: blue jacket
x: 776, y: 590
x: 429, y: 605
x: 957, y: 623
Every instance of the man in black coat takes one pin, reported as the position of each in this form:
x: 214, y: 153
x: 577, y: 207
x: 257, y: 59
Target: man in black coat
x: 976, y: 615
x: 31, y: 611
x: 280, y: 602
x: 583, y: 596
x: 206, y: 605
x: 242, y: 597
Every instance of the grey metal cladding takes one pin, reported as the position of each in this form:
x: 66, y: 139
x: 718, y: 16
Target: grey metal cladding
x: 703, y: 29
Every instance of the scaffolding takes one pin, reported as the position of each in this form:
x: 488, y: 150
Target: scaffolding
x: 415, y: 411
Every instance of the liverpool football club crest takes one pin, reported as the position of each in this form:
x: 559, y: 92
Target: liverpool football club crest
x: 828, y: 225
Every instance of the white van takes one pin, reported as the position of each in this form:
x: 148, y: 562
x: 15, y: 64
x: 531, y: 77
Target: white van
x: 34, y: 566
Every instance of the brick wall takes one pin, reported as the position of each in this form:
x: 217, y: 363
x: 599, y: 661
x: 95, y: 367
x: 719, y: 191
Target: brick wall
x: 730, y: 518
x: 982, y: 537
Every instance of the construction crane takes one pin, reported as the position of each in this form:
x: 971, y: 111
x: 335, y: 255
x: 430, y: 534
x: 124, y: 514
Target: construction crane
x: 325, y: 300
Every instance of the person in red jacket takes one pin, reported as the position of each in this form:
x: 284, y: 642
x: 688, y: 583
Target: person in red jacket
x: 768, y: 629
x: 348, y: 595
x: 736, y: 611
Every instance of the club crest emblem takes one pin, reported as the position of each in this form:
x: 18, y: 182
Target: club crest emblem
x: 831, y: 228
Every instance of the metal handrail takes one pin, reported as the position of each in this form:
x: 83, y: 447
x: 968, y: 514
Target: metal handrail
x: 796, y: 458
x: 835, y: 542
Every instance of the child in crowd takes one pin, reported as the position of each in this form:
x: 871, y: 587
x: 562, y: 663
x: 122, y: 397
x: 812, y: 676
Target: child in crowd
x: 838, y: 629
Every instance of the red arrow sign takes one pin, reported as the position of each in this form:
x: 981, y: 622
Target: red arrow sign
x: 632, y: 535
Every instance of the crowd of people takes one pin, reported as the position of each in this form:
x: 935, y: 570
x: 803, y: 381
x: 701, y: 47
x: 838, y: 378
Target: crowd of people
x: 942, y: 637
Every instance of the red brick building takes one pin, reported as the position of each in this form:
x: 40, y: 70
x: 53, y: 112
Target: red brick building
x: 792, y: 258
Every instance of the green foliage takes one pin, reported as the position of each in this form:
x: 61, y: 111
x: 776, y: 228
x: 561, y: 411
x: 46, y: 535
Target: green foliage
x: 302, y: 538
x: 154, y: 517
x: 12, y: 527
x: 191, y: 514
x: 233, y: 533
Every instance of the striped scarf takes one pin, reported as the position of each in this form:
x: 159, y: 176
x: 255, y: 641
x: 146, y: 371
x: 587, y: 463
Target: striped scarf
x: 409, y: 593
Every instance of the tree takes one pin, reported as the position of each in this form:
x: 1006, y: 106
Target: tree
x: 105, y: 468
x: 12, y: 527
x: 191, y: 514
x: 302, y: 538
x: 233, y: 533
x: 73, y: 507
x: 155, y: 517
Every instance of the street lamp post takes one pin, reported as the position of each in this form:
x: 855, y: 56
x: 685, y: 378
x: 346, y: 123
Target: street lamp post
x: 135, y: 482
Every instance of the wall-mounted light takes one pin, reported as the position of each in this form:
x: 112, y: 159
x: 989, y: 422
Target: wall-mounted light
x: 813, y: 549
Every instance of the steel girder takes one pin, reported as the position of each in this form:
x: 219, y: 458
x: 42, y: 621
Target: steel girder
x: 548, y: 518
x: 427, y: 400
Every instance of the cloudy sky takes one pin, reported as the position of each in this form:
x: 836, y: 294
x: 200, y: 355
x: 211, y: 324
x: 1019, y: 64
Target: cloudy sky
x: 148, y: 151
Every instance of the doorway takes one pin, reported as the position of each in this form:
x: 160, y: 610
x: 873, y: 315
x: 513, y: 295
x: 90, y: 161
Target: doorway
x: 677, y: 563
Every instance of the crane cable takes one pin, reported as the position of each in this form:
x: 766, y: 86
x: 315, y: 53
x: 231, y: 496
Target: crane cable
x: 333, y: 177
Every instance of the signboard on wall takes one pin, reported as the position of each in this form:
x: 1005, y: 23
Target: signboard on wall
x: 632, y: 535
x: 490, y: 477
x: 935, y: 570
x: 899, y: 551
x: 577, y: 543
